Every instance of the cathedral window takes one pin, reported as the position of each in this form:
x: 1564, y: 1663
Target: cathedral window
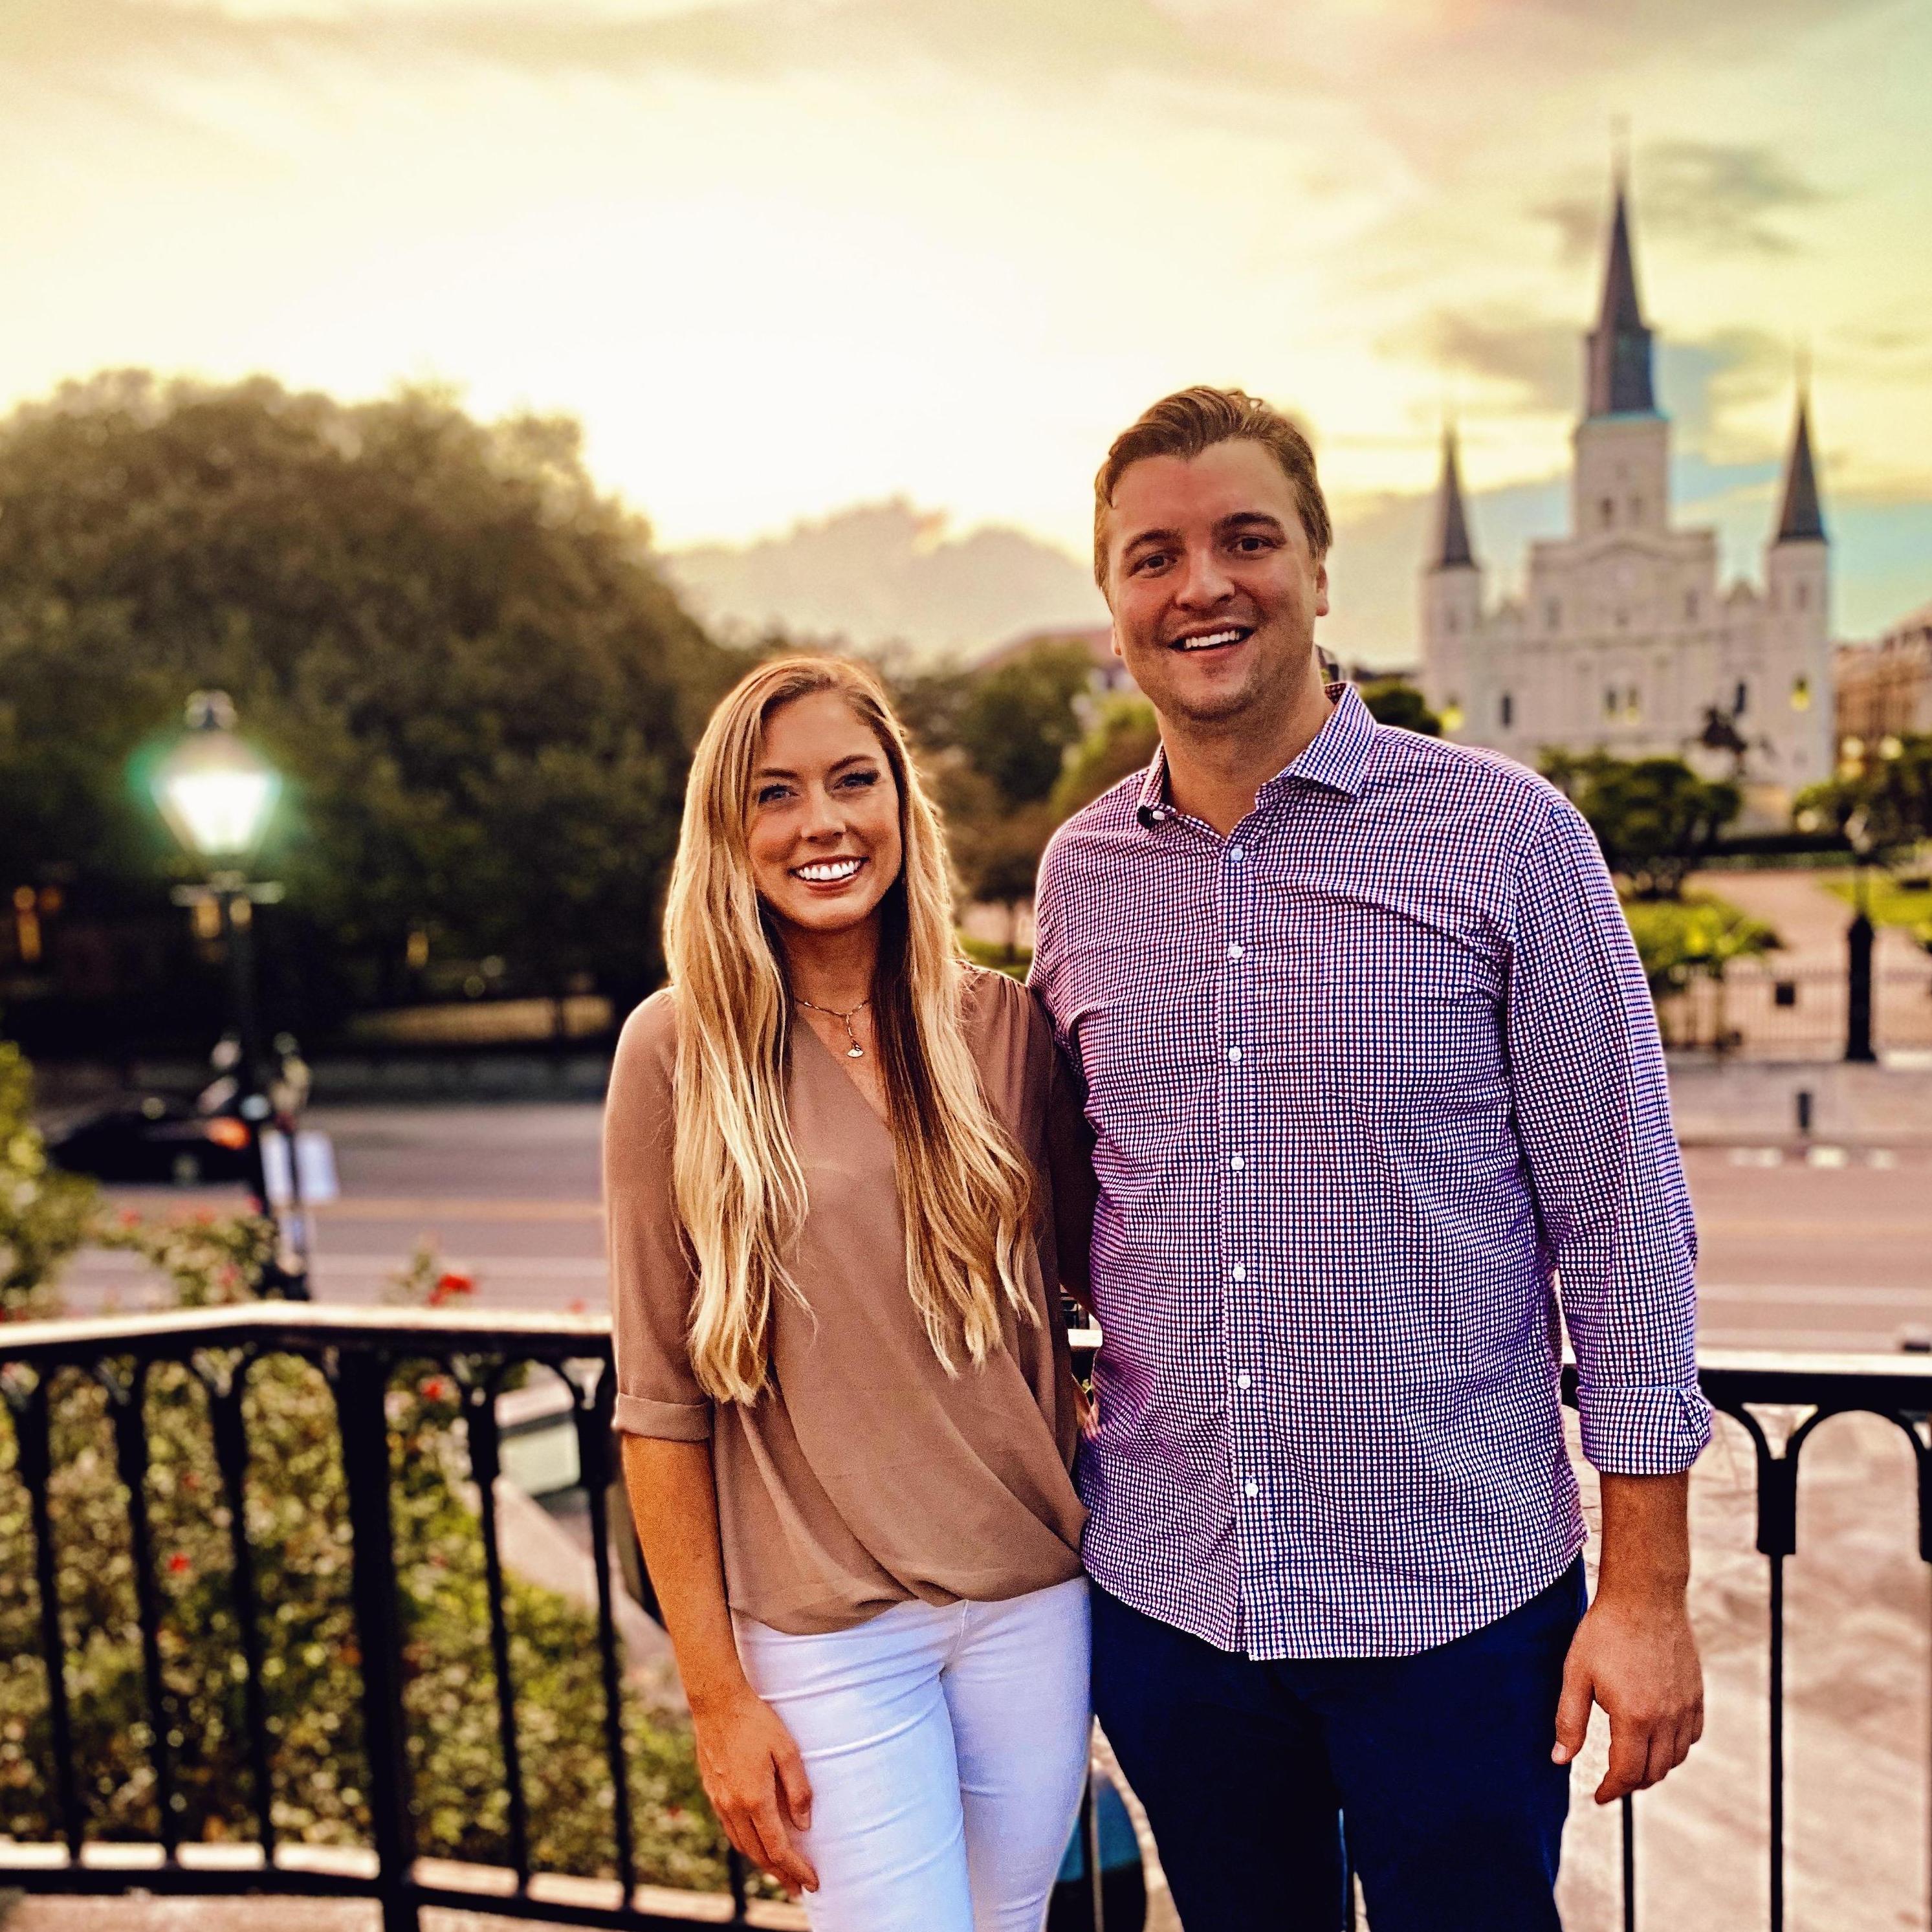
x: 1801, y: 694
x: 1610, y: 705
x: 1506, y: 710
x: 1740, y: 699
x: 1607, y: 511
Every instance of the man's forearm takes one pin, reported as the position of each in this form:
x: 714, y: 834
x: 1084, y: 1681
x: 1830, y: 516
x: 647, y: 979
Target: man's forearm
x: 1646, y: 1536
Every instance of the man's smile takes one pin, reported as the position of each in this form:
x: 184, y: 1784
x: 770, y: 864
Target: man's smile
x: 1222, y: 637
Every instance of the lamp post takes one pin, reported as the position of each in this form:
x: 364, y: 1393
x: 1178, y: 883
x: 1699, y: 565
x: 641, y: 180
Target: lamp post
x: 216, y: 793
x: 1858, y: 937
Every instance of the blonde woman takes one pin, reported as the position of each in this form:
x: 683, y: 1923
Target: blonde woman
x: 833, y: 1153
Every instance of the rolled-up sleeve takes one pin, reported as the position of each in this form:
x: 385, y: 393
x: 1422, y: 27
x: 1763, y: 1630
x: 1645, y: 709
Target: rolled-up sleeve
x: 1593, y: 1110
x: 652, y: 1279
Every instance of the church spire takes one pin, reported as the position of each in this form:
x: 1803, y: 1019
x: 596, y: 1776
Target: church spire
x: 1452, y: 550
x: 1618, y: 356
x: 1801, y: 520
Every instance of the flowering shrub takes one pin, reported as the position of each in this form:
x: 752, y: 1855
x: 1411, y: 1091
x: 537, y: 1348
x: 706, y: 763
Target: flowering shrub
x: 296, y: 1515
x: 45, y: 1215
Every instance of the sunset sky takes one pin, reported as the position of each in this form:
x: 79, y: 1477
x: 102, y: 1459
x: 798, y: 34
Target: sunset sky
x: 783, y: 257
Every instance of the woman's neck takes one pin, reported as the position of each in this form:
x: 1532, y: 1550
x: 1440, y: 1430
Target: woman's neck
x: 833, y: 970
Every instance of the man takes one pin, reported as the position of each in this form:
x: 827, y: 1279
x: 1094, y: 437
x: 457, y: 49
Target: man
x: 1372, y: 1065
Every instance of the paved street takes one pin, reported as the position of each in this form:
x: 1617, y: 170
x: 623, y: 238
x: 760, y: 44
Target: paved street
x: 1830, y: 1251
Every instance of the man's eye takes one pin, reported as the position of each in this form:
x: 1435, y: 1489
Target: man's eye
x: 1150, y: 561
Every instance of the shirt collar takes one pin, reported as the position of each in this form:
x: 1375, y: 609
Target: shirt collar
x: 1337, y: 760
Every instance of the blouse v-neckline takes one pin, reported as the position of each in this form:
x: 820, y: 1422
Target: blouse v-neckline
x: 847, y: 1078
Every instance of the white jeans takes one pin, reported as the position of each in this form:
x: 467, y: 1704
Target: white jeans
x: 947, y: 1749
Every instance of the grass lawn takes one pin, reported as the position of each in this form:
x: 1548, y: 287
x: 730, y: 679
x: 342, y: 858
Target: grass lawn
x: 1894, y: 901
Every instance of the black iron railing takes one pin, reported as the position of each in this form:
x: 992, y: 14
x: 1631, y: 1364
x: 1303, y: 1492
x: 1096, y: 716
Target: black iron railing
x: 370, y: 1359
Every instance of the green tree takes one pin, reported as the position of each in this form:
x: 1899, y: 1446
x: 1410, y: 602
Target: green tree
x: 1881, y: 799
x: 462, y: 655
x: 1394, y: 701
x: 1655, y: 818
x: 1122, y: 739
x: 1018, y: 719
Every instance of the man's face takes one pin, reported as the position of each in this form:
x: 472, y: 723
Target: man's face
x: 1214, y: 589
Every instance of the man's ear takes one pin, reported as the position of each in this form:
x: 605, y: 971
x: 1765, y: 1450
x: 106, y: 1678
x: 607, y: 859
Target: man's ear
x: 1114, y: 641
x: 1321, y: 588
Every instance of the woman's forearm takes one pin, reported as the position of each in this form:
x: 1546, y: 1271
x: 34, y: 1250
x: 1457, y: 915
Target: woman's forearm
x: 674, y: 1504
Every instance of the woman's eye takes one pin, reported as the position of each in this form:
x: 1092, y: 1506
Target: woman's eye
x: 860, y: 778
x: 770, y: 794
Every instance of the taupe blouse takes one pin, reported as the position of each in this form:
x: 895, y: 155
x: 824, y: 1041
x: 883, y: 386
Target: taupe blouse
x: 864, y: 1475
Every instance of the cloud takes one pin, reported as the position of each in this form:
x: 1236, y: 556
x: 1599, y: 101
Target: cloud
x: 1537, y: 360
x: 1719, y: 198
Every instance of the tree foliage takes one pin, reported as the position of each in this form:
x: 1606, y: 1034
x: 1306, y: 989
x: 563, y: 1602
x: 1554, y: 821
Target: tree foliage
x: 1019, y: 720
x: 1681, y: 940
x: 45, y: 1215
x: 1123, y: 738
x: 461, y: 656
x: 1394, y: 701
x: 1655, y: 818
x: 1882, y: 799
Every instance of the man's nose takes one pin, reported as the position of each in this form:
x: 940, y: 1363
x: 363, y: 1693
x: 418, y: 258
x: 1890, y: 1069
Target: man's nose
x: 1204, y: 580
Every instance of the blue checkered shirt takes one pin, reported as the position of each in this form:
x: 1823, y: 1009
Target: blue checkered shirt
x: 1367, y: 1077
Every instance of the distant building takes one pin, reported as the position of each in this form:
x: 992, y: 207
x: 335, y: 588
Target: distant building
x: 1624, y: 640
x: 1884, y: 689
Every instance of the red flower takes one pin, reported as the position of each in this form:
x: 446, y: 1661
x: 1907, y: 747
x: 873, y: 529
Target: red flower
x: 177, y: 1564
x: 436, y: 1388
x: 454, y: 1281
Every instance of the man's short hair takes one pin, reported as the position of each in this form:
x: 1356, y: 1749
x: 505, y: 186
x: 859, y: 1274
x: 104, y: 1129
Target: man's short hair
x: 1190, y: 421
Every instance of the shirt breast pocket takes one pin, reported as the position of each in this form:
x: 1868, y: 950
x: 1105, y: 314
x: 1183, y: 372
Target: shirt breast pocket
x: 1377, y: 1000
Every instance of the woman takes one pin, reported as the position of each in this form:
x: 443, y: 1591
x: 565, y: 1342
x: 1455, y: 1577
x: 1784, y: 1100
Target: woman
x: 831, y: 1152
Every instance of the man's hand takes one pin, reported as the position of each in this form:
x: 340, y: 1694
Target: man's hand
x: 1634, y: 1652
x: 755, y: 1779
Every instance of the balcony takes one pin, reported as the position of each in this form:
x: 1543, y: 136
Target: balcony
x: 268, y: 1552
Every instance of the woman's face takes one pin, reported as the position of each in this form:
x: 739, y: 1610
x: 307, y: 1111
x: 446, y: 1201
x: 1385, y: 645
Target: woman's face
x: 824, y: 831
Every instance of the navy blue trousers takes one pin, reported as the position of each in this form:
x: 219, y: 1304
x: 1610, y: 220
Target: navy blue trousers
x: 1438, y: 1763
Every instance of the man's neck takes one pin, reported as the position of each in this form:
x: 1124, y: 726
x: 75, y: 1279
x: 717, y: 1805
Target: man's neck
x: 1214, y: 771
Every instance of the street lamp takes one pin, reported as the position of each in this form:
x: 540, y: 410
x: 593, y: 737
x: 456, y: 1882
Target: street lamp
x: 217, y: 793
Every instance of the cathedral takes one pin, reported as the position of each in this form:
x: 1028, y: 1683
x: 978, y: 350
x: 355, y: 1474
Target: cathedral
x: 1624, y: 640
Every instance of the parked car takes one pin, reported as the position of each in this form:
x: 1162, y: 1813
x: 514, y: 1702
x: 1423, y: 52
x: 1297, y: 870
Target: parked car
x: 156, y: 1139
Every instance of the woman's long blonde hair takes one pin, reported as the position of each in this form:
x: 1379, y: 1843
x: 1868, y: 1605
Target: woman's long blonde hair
x: 965, y: 1190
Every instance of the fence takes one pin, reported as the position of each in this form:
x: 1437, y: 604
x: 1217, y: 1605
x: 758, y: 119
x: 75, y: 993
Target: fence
x: 1760, y: 1010
x: 371, y: 1361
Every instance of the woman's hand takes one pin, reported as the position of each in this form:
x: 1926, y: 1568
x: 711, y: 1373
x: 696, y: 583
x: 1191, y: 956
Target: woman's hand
x: 755, y: 1779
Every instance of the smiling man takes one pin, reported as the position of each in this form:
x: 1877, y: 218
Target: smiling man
x: 1371, y: 1066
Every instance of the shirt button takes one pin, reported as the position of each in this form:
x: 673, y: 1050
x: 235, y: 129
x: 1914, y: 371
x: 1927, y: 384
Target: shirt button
x: 1234, y: 1053
x: 1236, y: 1162
x: 1235, y: 949
x: 1238, y: 1272
x: 1236, y: 854
x: 1244, y: 1380
x: 1253, y: 1488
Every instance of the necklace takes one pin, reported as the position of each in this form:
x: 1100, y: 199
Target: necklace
x: 855, y: 1051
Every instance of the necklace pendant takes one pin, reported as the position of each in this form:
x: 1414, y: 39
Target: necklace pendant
x: 855, y: 1051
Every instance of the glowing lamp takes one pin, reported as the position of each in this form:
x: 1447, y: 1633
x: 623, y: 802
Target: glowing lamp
x: 215, y: 792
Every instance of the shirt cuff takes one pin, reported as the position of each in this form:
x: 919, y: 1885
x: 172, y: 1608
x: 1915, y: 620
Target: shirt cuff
x: 1656, y: 1431
x: 667, y: 1421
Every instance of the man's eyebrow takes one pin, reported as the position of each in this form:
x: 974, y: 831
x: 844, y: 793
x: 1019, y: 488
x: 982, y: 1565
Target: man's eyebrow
x: 1248, y: 517
x: 1140, y: 537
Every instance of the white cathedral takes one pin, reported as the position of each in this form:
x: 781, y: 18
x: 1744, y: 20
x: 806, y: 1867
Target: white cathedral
x: 1623, y: 641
